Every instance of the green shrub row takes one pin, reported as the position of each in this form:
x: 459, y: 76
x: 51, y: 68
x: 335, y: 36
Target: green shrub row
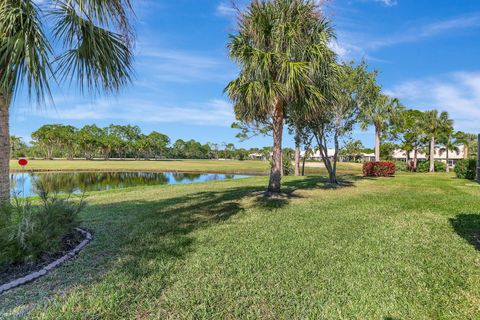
x: 424, y: 166
x: 466, y: 169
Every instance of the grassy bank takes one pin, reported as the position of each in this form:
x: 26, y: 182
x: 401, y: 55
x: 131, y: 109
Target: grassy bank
x: 213, y: 166
x: 392, y: 248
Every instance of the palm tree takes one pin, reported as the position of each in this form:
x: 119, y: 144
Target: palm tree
x: 467, y: 139
x: 436, y: 125
x: 96, y: 42
x: 380, y: 113
x: 281, y: 48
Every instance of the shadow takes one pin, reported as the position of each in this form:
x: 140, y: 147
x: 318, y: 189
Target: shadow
x: 319, y: 182
x: 467, y: 226
x: 145, y: 239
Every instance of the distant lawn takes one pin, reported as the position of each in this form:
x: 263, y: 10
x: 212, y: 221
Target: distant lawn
x: 391, y: 248
x: 214, y: 166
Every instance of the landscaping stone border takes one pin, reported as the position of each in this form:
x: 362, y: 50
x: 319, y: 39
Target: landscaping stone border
x: 53, y: 265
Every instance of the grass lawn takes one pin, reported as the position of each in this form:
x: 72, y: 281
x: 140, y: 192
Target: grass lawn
x: 391, y: 248
x: 213, y: 166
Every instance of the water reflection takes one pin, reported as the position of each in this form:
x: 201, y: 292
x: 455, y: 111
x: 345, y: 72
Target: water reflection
x: 78, y: 182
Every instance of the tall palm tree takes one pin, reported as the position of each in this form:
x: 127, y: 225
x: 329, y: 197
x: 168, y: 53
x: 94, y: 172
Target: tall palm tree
x: 282, y: 47
x: 380, y: 113
x: 95, y: 38
x: 436, y: 125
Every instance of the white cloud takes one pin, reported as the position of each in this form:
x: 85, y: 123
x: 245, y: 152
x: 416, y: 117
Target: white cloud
x: 388, y: 3
x: 181, y: 66
x: 215, y: 112
x: 225, y: 9
x: 356, y: 43
x: 458, y: 93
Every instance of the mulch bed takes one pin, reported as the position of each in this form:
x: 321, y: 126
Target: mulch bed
x: 18, y: 270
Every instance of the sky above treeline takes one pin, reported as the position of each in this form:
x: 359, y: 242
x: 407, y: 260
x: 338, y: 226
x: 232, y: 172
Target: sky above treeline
x: 427, y: 51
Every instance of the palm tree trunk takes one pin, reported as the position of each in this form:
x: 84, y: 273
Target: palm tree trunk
x: 447, y: 169
x: 478, y: 159
x: 4, y: 150
x: 276, y: 170
x: 432, y: 154
x: 465, y: 151
x: 415, y: 159
x: 297, y: 153
x: 377, y: 144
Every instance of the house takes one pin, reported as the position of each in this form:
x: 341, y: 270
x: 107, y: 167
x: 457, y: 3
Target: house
x: 440, y: 155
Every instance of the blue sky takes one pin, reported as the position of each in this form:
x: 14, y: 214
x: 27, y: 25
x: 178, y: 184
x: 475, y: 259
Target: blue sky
x: 428, y: 53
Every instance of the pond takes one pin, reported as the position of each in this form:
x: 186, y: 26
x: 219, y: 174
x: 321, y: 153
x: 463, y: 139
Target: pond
x: 79, y: 182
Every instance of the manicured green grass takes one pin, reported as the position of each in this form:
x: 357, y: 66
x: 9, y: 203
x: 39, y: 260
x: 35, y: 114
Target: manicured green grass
x: 389, y: 248
x: 214, y: 166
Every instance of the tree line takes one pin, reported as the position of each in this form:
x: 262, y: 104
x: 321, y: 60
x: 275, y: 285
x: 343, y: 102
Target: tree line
x: 122, y: 142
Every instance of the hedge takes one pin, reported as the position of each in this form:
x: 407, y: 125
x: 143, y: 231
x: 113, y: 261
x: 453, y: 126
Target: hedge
x: 379, y: 169
x: 466, y: 169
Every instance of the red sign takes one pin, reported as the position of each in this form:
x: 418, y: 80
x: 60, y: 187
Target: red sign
x: 23, y: 162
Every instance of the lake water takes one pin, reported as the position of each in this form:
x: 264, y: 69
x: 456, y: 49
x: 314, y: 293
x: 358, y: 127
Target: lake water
x: 78, y: 182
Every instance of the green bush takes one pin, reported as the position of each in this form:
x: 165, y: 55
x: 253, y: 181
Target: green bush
x: 424, y: 166
x: 401, y: 166
x: 466, y: 169
x: 288, y: 168
x: 30, y: 229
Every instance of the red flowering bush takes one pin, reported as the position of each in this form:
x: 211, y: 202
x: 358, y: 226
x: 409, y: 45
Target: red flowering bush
x: 379, y: 169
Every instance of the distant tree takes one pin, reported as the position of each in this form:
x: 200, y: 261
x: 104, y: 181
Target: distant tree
x: 18, y: 147
x: 436, y: 124
x: 47, y: 138
x: 89, y: 140
x: 467, y: 139
x: 410, y: 133
x: 352, y: 150
x: 381, y: 111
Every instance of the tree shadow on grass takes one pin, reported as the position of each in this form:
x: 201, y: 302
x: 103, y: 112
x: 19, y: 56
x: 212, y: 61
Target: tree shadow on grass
x: 137, y: 240
x: 468, y: 227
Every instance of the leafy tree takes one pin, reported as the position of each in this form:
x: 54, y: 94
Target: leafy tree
x: 280, y: 46
x: 18, y: 147
x: 436, y: 124
x: 341, y: 113
x: 89, y: 140
x: 94, y: 39
x: 410, y: 133
x: 352, y: 150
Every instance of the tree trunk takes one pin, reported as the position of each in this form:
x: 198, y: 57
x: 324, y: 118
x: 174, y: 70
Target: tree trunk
x: 377, y: 144
x: 415, y: 159
x: 297, y: 153
x: 446, y: 167
x: 4, y: 150
x: 276, y: 170
x: 465, y: 151
x: 478, y: 159
x: 432, y: 154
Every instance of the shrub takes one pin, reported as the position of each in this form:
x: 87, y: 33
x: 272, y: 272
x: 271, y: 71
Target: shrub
x: 30, y: 229
x: 401, y: 166
x: 288, y: 168
x: 466, y: 169
x: 379, y: 169
x: 424, y: 166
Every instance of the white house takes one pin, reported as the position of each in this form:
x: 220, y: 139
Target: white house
x: 440, y: 155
